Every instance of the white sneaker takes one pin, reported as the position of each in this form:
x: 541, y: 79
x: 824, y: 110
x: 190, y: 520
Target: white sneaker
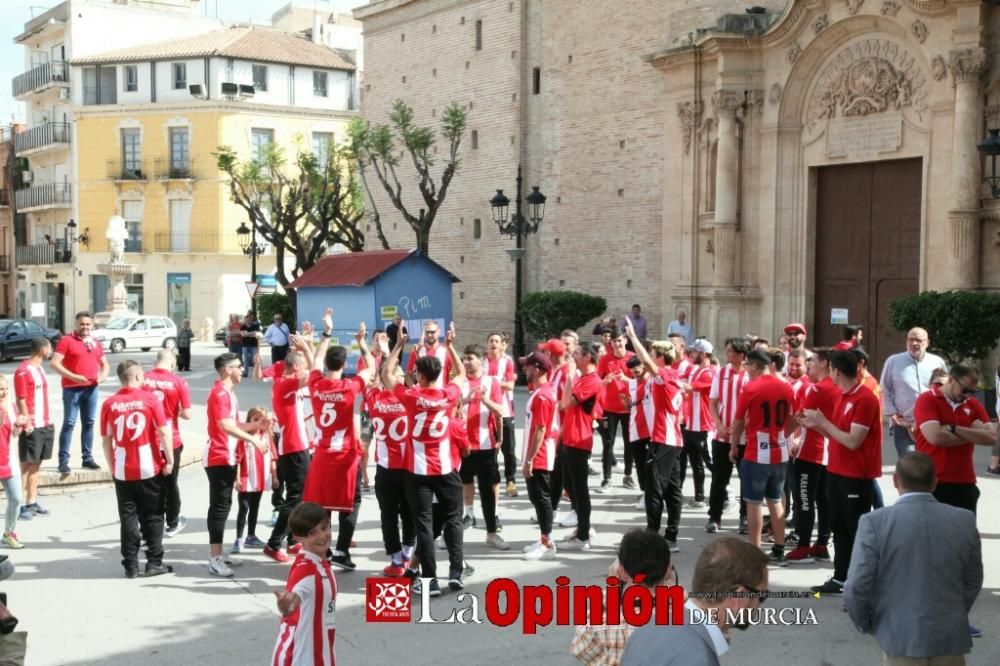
x: 217, y: 567
x: 556, y: 515
x: 531, y: 546
x: 439, y: 542
x: 540, y: 551
x: 641, y: 502
x: 576, y: 544
x: 572, y: 535
x: 569, y: 521
x: 497, y: 542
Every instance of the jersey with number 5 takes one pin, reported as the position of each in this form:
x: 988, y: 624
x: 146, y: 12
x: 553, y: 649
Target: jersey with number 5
x: 765, y: 405
x: 428, y: 411
x: 390, y: 430
x: 333, y: 411
x: 131, y: 418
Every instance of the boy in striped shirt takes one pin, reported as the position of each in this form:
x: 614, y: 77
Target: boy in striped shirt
x: 308, y: 604
x: 725, y: 393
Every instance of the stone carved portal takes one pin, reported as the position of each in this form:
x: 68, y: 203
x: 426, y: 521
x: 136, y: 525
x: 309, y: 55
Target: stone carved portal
x: 868, y: 77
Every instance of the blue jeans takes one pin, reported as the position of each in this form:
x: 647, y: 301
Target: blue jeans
x: 249, y: 357
x: 901, y: 438
x: 76, y: 401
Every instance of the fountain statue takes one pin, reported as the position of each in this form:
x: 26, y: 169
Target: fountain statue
x: 117, y: 269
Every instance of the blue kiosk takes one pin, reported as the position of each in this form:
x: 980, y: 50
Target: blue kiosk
x: 374, y: 287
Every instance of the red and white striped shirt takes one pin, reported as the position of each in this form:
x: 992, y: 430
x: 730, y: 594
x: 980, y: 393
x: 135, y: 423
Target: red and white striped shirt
x: 306, y: 635
x: 389, y: 428
x: 541, y: 411
x: 255, y: 467
x: 502, y: 369
x: 333, y: 408
x: 726, y: 388
x: 668, y: 400
x: 288, y: 402
x: 479, y: 420
x: 765, y: 406
x: 130, y: 418
x: 697, y: 414
x: 220, y: 449
x: 31, y: 385
x: 441, y: 353
x: 641, y: 414
x: 173, y: 393
x: 428, y: 413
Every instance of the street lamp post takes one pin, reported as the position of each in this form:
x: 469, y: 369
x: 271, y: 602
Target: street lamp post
x: 71, y: 239
x: 518, y: 227
x: 251, y: 248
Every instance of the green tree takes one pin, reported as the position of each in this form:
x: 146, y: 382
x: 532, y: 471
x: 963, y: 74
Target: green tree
x: 963, y: 326
x: 302, y: 208
x: 376, y: 149
x: 269, y: 305
x: 546, y: 314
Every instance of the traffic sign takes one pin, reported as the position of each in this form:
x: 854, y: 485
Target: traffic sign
x: 252, y: 288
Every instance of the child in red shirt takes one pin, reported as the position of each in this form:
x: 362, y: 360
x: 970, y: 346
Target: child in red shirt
x: 257, y: 473
x: 9, y: 474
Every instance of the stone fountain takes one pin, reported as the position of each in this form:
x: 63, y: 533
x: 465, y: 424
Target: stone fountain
x: 117, y: 269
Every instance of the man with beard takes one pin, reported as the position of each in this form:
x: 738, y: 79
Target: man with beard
x: 904, y: 377
x: 796, y: 333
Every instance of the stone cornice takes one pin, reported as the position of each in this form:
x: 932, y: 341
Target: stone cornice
x: 968, y: 64
x: 213, y: 106
x: 727, y: 102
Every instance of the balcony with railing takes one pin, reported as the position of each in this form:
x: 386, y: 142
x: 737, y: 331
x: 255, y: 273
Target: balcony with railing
x: 39, y: 78
x: 172, y: 168
x: 120, y: 170
x: 207, y: 242
x: 46, y: 195
x: 43, y: 137
x: 42, y: 254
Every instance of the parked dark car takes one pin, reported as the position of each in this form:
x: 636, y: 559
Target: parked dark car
x: 220, y: 336
x: 16, y: 336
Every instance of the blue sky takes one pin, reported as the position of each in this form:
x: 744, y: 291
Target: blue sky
x: 17, y: 12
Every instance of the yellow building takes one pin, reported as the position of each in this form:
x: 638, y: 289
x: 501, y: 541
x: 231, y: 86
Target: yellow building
x: 146, y: 120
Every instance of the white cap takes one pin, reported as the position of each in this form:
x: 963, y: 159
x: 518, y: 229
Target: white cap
x: 702, y: 345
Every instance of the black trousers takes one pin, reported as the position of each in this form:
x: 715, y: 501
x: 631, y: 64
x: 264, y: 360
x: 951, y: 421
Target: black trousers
x: 576, y: 469
x: 292, y: 468
x: 810, y: 501
x: 663, y: 488
x: 962, y: 495
x: 140, y: 511
x: 639, y: 453
x: 390, y: 491
x: 481, y: 466
x: 540, y: 495
x: 246, y: 514
x: 172, y: 492
x: 184, y: 358
x: 508, y: 448
x: 557, y: 480
x: 695, y: 450
x: 849, y: 500
x: 608, y: 428
x: 348, y: 521
x: 278, y: 495
x: 420, y: 493
x: 722, y: 472
x: 221, y: 480
x: 278, y: 353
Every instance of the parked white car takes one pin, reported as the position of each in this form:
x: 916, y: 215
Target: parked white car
x: 138, y: 332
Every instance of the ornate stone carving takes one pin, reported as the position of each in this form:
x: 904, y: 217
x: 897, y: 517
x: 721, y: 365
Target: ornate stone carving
x: 775, y: 95
x: 890, y: 8
x: 821, y: 22
x: 688, y: 112
x: 727, y: 101
x: 793, y: 53
x: 869, y: 77
x: 939, y: 69
x: 992, y: 118
x: 968, y: 64
x: 853, y: 6
x: 920, y: 31
x: 756, y: 101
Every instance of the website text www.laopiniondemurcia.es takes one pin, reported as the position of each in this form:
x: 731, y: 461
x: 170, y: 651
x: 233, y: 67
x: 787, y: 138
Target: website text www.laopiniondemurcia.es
x: 505, y: 601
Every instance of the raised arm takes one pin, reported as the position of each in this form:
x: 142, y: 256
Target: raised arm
x: 324, y: 343
x: 456, y: 360
x: 368, y: 373
x: 390, y: 364
x: 640, y: 349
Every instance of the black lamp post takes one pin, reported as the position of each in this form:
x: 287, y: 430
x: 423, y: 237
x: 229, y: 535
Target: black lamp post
x: 250, y: 246
x: 991, y: 148
x: 518, y: 226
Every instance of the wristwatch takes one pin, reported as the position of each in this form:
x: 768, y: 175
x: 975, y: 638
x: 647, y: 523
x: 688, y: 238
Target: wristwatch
x: 951, y: 428
x: 325, y: 334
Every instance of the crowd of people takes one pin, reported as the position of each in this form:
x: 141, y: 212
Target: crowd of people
x: 802, y: 428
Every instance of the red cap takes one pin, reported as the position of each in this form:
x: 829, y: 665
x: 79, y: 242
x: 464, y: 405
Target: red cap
x: 554, y: 346
x: 795, y: 327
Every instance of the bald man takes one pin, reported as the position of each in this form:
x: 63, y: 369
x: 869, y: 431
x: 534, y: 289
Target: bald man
x: 904, y: 377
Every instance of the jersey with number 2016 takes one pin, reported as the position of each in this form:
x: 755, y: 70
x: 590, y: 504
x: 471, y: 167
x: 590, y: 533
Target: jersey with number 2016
x: 765, y: 405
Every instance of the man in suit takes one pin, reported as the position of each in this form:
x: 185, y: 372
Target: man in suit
x: 730, y: 574
x: 917, y: 539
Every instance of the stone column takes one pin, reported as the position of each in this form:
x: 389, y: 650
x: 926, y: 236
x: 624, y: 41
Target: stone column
x: 967, y: 66
x: 726, y: 103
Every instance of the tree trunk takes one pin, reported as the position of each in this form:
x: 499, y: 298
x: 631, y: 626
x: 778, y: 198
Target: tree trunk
x: 293, y: 307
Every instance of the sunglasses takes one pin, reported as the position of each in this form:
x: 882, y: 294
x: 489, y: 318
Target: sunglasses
x: 966, y: 391
x: 235, y: 366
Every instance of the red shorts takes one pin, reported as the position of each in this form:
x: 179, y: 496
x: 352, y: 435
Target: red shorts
x: 331, y: 480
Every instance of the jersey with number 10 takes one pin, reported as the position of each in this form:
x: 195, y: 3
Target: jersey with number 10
x: 131, y: 418
x: 428, y: 411
x: 765, y: 406
x: 333, y: 411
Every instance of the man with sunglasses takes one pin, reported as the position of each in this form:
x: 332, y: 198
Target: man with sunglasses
x: 949, y: 424
x: 431, y: 347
